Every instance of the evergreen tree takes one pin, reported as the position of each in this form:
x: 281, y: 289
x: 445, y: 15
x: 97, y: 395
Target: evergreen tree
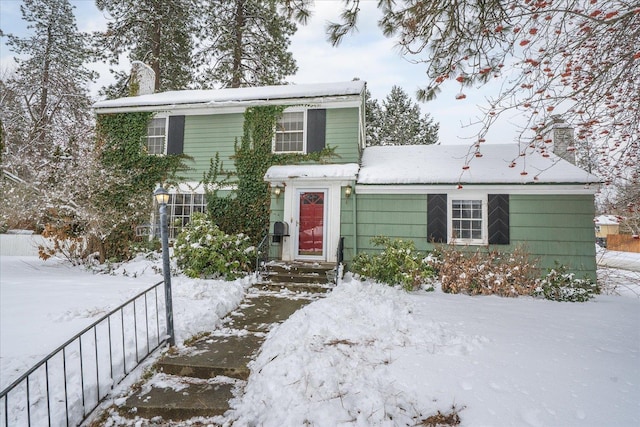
x: 373, y: 115
x: 158, y: 33
x: 45, y: 101
x: 399, y: 122
x: 245, y: 43
x: 45, y: 114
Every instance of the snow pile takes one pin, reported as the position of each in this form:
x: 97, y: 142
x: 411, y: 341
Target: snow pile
x: 372, y: 355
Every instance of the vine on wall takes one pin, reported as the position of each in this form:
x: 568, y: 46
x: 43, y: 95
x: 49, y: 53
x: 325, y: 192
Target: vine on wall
x: 246, y: 209
x: 128, y: 196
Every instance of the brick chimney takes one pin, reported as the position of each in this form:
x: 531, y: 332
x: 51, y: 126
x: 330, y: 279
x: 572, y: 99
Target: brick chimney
x: 143, y: 79
x: 562, y: 137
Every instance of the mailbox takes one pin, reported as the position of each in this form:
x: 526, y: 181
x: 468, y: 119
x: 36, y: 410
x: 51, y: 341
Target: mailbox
x: 280, y: 228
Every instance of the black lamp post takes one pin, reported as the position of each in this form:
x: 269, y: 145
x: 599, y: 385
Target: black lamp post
x: 162, y: 198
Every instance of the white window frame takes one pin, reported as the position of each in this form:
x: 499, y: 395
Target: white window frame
x: 468, y: 196
x: 187, y: 210
x: 147, y: 137
x: 304, y: 132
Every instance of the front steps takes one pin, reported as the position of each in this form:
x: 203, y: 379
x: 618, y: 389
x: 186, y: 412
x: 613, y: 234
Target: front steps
x: 199, y: 381
x: 298, y: 276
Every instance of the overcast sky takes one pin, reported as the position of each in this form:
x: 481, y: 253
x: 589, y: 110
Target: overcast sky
x: 367, y: 54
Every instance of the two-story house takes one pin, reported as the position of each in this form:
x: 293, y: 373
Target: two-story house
x: 498, y: 195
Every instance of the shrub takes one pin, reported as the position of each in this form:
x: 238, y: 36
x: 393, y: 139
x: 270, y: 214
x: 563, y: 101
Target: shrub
x: 506, y: 274
x: 558, y: 285
x: 398, y: 264
x: 203, y: 250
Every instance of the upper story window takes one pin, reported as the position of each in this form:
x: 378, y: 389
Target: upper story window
x: 290, y: 133
x: 467, y: 221
x: 156, y: 135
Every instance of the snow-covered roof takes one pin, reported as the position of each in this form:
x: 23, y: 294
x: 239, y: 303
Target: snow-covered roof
x: 235, y: 95
x: 446, y: 164
x: 339, y: 171
x: 607, y: 220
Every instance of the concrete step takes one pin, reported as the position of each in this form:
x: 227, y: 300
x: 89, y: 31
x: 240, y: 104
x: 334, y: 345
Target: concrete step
x: 300, y: 273
x: 213, y: 356
x: 201, y: 399
x: 258, y: 312
x: 311, y: 288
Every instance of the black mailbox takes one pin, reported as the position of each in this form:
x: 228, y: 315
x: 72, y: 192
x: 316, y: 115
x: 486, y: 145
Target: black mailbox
x: 280, y: 228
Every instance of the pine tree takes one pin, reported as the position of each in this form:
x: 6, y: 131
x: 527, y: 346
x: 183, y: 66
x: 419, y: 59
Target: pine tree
x: 244, y: 43
x: 158, y: 33
x: 399, y: 122
x: 45, y: 101
x: 45, y: 113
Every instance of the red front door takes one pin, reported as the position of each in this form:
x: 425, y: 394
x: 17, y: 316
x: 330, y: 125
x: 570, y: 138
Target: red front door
x: 311, y: 230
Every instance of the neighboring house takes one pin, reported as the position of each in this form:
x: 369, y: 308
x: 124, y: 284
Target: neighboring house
x: 423, y: 193
x: 606, y: 224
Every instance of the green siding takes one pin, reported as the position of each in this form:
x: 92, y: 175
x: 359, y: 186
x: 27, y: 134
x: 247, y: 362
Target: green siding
x: 342, y: 133
x: 551, y: 228
x: 206, y: 135
x: 556, y: 228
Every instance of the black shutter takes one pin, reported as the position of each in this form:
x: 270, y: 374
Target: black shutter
x: 498, y: 219
x: 316, y: 130
x: 175, y: 135
x: 437, y: 218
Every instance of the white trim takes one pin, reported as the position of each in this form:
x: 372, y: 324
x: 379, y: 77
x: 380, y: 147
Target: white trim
x: 302, y: 110
x: 325, y: 224
x: 468, y: 195
x: 332, y: 214
x: 202, y: 109
x: 541, y: 189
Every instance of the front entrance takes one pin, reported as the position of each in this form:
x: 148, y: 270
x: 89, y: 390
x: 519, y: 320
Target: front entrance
x: 311, y: 233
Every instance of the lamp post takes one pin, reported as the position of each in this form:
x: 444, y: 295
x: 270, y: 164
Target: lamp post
x: 162, y: 198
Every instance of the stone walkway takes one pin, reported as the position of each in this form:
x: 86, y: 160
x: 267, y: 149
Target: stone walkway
x: 200, y: 380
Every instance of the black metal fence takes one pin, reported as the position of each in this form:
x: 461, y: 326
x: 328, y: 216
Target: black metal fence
x: 67, y: 385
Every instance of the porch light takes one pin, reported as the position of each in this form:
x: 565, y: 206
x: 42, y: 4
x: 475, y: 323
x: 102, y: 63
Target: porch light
x: 348, y: 190
x: 161, y: 196
x: 277, y: 191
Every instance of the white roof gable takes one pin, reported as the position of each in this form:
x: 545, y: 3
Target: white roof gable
x: 235, y: 95
x: 445, y: 164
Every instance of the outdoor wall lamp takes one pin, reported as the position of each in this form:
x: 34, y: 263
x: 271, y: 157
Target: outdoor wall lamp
x: 348, y: 190
x: 161, y: 197
x: 277, y: 191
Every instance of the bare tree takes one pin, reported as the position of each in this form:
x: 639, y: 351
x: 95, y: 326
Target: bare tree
x: 575, y: 57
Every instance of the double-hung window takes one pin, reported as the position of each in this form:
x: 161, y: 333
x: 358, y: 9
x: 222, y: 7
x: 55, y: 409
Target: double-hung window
x: 156, y: 135
x: 290, y: 133
x: 467, y: 219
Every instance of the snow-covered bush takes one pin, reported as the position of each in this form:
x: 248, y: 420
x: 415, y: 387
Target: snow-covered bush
x: 507, y: 274
x: 398, y: 264
x: 203, y: 250
x: 558, y: 285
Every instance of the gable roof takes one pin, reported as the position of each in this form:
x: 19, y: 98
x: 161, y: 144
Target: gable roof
x: 234, y: 96
x: 443, y: 164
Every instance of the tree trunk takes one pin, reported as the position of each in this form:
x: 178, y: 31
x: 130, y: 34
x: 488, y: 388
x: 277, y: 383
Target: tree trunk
x: 236, y: 78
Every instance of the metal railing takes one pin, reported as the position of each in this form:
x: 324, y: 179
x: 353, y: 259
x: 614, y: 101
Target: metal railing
x: 339, y: 257
x: 68, y: 384
x: 262, y: 253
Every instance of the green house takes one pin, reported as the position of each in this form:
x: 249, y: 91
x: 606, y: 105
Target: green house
x: 494, y: 195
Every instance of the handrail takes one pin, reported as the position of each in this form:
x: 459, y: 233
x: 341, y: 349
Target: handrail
x: 339, y: 257
x: 263, y: 242
x: 67, y: 351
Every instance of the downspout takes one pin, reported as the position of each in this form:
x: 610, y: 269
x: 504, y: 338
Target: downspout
x: 354, y: 210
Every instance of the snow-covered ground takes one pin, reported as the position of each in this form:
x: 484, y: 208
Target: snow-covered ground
x: 369, y: 354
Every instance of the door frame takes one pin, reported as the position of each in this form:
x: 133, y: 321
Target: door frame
x: 293, y: 187
x: 296, y: 224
